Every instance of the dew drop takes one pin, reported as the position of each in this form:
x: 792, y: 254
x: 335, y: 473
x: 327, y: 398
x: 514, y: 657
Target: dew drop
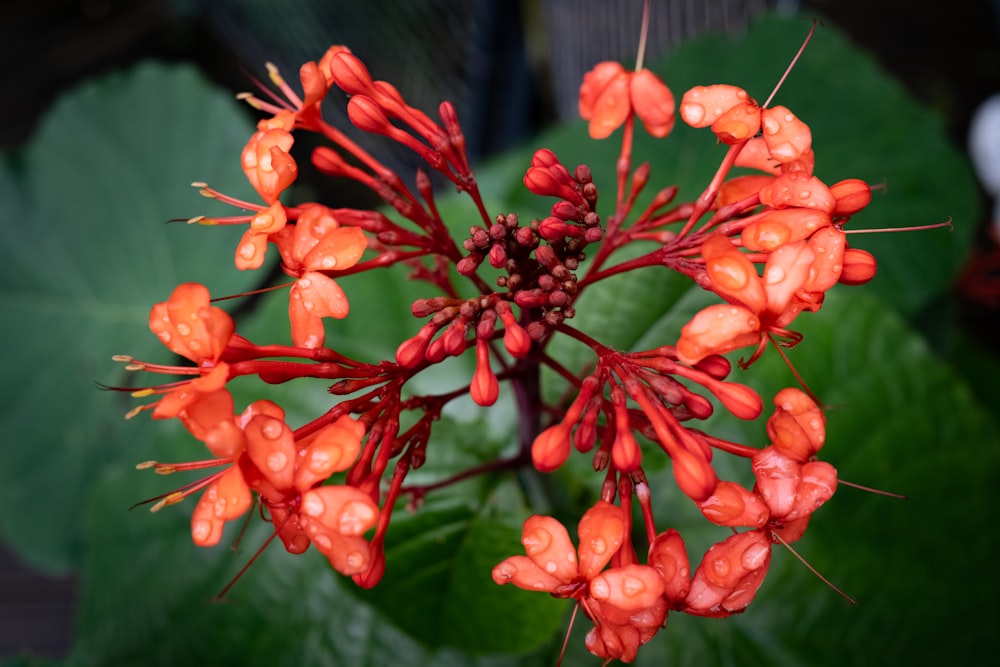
x: 308, y: 305
x: 633, y: 586
x: 312, y: 505
x: 276, y: 461
x: 355, y: 559
x: 598, y: 546
x: 200, y: 530
x: 720, y: 566
x: 272, y: 429
x: 322, y: 542
x: 183, y: 329
x: 164, y: 336
x: 755, y: 555
x: 774, y: 275
x: 328, y: 262
x: 693, y: 113
x: 247, y: 251
x: 551, y: 567
x: 305, y: 283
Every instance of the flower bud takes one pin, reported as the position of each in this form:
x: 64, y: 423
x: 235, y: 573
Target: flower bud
x: 368, y: 116
x: 694, y: 475
x: 350, y: 74
x: 732, y: 505
x: 859, y: 267
x: 484, y: 388
x: 852, y: 195
x: 668, y: 556
x: 551, y: 448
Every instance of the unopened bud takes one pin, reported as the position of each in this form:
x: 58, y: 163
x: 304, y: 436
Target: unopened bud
x: 694, y: 475
x: 484, y: 388
x: 859, y: 267
x: 733, y: 505
x: 368, y: 116
x: 411, y: 352
x: 551, y: 448
x: 852, y: 195
x: 350, y: 74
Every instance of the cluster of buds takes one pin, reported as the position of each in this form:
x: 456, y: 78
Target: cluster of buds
x: 333, y: 482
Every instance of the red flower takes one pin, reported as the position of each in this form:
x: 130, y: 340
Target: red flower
x: 317, y: 243
x: 610, y: 94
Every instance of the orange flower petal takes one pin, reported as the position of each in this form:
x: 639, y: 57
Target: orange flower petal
x: 601, y: 531
x: 548, y: 545
x: 313, y: 297
x: 703, y: 105
x: 653, y: 103
x: 786, y: 136
x: 732, y: 275
x: 717, y: 329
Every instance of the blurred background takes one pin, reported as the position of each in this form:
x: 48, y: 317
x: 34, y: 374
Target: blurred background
x: 514, y: 71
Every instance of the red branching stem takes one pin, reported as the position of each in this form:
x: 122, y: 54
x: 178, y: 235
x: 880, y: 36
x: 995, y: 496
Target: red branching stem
x: 573, y: 332
x: 418, y: 491
x: 705, y: 199
x: 564, y: 372
x: 745, y: 451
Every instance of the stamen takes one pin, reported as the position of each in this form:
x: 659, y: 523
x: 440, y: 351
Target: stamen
x: 788, y: 70
x: 871, y: 490
x: 812, y: 569
x: 917, y: 228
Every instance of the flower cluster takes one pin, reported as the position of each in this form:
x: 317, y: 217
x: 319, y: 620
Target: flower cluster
x: 769, y: 244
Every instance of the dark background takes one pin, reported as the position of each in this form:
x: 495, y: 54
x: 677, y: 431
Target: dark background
x: 516, y: 73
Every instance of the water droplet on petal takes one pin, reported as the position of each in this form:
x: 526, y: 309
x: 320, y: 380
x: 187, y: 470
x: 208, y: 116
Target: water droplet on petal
x: 272, y: 429
x: 328, y: 262
x: 276, y: 461
x: 774, y: 275
x: 693, y: 113
x: 633, y: 586
x: 183, y: 329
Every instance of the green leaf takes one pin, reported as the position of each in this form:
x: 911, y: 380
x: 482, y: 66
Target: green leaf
x: 438, y: 587
x: 84, y: 253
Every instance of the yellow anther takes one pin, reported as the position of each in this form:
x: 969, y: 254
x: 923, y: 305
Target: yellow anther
x: 145, y: 465
x: 142, y: 393
x: 134, y: 411
x: 169, y: 499
x: 274, y: 74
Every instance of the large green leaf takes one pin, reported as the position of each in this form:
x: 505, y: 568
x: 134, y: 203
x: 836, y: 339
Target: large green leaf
x: 84, y: 253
